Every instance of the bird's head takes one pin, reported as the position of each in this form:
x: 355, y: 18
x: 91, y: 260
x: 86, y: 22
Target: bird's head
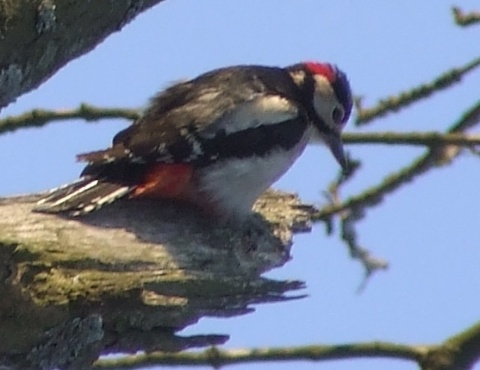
x: 327, y: 97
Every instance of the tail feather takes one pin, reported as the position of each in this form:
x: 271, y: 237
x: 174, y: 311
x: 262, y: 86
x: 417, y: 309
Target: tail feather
x: 82, y: 196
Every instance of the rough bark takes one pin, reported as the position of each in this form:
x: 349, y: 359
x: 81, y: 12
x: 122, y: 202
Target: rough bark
x: 38, y: 37
x: 129, y: 276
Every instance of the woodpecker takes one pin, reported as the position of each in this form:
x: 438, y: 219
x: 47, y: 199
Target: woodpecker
x: 217, y: 141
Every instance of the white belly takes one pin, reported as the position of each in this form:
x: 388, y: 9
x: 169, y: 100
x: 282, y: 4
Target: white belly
x: 233, y: 185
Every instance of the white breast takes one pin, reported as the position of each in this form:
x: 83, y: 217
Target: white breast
x: 233, y: 185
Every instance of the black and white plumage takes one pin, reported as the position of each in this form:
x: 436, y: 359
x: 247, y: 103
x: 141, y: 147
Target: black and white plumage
x: 217, y: 141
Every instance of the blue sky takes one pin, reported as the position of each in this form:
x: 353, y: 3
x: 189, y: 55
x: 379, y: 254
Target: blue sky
x: 425, y: 230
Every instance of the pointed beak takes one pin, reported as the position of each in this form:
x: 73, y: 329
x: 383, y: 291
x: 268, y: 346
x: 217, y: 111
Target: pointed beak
x: 334, y: 142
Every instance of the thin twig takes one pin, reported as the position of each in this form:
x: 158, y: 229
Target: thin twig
x: 461, y: 351
x: 371, y: 264
x: 217, y: 358
x: 348, y: 219
x: 465, y: 19
x: 42, y: 117
x: 430, y: 139
x: 402, y: 100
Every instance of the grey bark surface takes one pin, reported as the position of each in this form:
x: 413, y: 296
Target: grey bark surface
x: 128, y: 277
x: 38, y: 37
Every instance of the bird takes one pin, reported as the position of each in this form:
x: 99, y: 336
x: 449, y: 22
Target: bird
x: 217, y: 141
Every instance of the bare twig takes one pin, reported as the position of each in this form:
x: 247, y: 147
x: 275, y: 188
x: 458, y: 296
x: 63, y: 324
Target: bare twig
x: 459, y: 352
x: 465, y: 19
x: 41, y: 117
x: 348, y: 218
x: 370, y: 263
x: 217, y: 358
x: 430, y: 139
x: 402, y: 100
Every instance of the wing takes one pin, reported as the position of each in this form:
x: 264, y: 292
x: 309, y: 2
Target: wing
x: 190, y: 120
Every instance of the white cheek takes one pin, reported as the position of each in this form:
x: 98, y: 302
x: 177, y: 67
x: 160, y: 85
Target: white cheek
x: 324, y: 101
x: 323, y: 107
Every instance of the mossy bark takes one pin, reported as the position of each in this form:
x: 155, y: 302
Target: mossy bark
x: 129, y: 276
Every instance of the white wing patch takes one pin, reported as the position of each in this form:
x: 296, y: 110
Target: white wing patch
x: 262, y: 110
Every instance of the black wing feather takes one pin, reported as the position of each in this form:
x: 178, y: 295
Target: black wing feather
x: 183, y: 111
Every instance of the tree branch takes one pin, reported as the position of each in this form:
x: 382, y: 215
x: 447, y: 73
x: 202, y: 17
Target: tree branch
x: 37, y: 38
x: 467, y: 345
x: 465, y: 19
x: 459, y: 352
x: 42, y: 117
x: 129, y: 276
x: 348, y: 219
x: 430, y: 139
x: 404, y: 99
x: 218, y: 358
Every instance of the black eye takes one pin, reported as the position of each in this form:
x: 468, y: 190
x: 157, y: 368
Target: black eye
x: 337, y: 115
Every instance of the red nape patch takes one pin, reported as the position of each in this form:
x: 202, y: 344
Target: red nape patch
x: 323, y: 69
x: 165, y: 181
